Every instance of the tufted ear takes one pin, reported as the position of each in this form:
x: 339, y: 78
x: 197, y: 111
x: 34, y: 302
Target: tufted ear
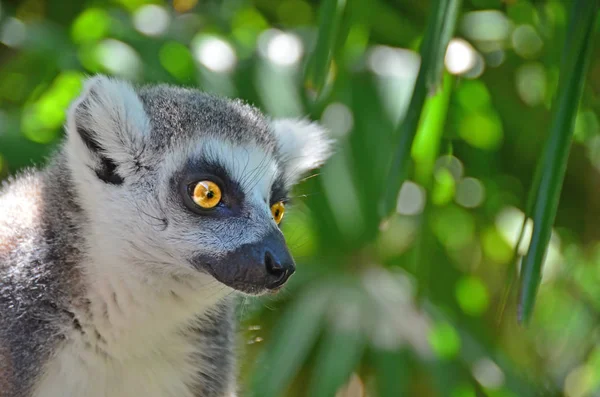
x: 108, y: 126
x: 302, y: 145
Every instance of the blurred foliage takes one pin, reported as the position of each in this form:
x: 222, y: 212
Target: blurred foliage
x: 416, y: 304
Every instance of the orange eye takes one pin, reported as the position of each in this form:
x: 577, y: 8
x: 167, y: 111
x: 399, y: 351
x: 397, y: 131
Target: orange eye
x: 206, y: 194
x: 277, y: 210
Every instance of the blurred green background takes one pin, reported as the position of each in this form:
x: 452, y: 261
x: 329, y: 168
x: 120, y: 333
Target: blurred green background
x: 416, y: 304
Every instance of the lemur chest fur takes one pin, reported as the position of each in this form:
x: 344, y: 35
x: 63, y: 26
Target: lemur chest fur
x: 79, y: 369
x: 132, y: 338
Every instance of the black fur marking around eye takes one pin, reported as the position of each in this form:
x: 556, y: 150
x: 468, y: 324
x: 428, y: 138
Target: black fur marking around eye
x: 195, y: 171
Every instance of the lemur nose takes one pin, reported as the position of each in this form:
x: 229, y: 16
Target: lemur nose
x: 278, y: 272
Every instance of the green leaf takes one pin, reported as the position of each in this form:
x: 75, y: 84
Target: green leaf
x: 93, y: 24
x: 472, y: 296
x: 328, y: 41
x: 177, y: 60
x: 440, y: 28
x: 341, y: 349
x: 293, y: 338
x: 444, y: 340
x: 426, y: 145
x: 553, y: 162
x: 392, y: 370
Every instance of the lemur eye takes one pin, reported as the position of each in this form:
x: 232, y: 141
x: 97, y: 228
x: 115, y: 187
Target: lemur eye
x: 277, y: 210
x: 206, y: 194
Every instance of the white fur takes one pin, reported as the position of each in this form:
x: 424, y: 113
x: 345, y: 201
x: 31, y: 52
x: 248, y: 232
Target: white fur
x: 303, y: 145
x: 145, y: 352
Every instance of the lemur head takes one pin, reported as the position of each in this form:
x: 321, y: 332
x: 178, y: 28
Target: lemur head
x: 174, y: 180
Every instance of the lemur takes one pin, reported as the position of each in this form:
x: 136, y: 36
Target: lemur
x: 120, y: 259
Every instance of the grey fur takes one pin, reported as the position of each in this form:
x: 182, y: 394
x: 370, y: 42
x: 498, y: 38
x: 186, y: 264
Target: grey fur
x: 181, y: 111
x: 45, y: 222
x: 35, y: 299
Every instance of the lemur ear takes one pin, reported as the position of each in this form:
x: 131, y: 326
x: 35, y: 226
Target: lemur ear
x: 108, y: 119
x: 303, y: 146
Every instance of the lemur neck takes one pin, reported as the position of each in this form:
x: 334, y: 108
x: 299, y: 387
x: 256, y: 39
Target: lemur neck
x: 130, y: 315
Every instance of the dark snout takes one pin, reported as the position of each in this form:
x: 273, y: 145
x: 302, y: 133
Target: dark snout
x: 253, y: 268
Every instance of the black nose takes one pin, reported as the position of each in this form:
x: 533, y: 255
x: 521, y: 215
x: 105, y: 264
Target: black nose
x: 278, y: 271
x: 252, y: 268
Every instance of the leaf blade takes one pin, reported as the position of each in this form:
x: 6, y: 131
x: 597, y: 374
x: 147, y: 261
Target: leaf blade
x: 343, y: 345
x: 440, y: 28
x: 575, y: 62
x: 294, y: 336
x: 330, y: 23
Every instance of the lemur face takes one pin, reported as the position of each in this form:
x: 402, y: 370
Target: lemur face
x: 183, y: 180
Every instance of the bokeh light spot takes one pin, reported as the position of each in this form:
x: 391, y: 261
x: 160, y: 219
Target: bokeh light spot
x: 338, y: 119
x: 42, y: 120
x: 411, y: 199
x: 531, y: 83
x: 34, y: 129
x: 184, y: 5
x: 88, y: 56
x: 470, y: 193
x: 13, y: 32
x: 580, y: 381
x: 214, y: 53
x: 495, y: 246
x: 393, y: 62
x: 486, y: 26
x: 281, y: 48
x: 509, y: 221
x: 151, y: 20
x: 452, y: 164
x: 473, y: 95
x: 481, y: 130
x: 246, y: 27
x: 91, y: 25
x: 495, y: 58
x: 472, y: 295
x: 443, y: 188
x: 119, y: 58
x: 460, y: 57
x: 526, y: 42
x: 488, y: 374
x: 444, y: 341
